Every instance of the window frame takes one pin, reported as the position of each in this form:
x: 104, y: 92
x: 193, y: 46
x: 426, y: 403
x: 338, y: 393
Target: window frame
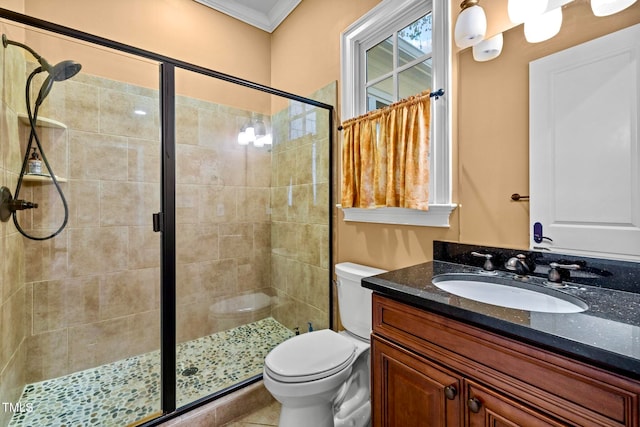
x: 373, y: 27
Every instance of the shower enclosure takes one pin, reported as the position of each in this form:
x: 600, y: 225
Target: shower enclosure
x: 198, y: 233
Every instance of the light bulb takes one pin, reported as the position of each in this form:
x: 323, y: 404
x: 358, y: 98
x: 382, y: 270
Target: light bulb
x: 521, y: 10
x: 488, y: 49
x: 609, y: 7
x: 251, y: 134
x: 471, y: 26
x: 242, y: 138
x: 263, y: 140
x: 260, y: 129
x: 543, y: 27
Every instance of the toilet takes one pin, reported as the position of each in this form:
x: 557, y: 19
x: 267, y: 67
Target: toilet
x: 321, y: 378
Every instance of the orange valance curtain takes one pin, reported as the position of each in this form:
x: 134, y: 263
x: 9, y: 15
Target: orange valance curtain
x: 385, y: 156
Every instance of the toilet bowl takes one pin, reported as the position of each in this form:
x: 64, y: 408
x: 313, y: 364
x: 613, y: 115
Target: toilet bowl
x: 322, y: 378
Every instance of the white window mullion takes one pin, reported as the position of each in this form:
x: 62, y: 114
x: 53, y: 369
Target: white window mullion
x: 441, y: 109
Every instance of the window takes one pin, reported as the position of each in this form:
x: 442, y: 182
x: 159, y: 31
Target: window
x: 398, y: 49
x: 400, y: 65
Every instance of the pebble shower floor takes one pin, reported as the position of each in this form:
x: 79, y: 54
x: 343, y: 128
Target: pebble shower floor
x: 119, y: 393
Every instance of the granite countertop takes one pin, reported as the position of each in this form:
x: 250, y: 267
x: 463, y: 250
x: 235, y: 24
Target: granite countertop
x: 607, y: 334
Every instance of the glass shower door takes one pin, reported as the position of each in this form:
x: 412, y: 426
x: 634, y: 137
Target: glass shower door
x: 252, y: 229
x: 87, y: 350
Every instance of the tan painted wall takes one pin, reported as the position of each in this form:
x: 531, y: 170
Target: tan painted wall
x: 490, y: 127
x: 305, y: 48
x: 181, y: 29
x: 305, y: 54
x: 302, y: 55
x: 493, y: 113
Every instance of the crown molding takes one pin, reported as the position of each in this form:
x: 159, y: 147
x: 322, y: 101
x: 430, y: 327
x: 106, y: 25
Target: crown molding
x: 265, y: 21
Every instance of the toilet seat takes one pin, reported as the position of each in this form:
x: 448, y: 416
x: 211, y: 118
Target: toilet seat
x: 310, y: 357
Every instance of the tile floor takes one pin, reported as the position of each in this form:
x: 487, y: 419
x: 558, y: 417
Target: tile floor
x: 267, y: 416
x: 119, y: 393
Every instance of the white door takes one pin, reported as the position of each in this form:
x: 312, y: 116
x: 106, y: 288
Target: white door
x: 583, y: 147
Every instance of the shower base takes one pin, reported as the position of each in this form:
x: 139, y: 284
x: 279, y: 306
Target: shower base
x: 119, y: 393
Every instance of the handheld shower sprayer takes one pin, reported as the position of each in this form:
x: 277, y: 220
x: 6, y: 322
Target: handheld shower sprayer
x: 62, y: 71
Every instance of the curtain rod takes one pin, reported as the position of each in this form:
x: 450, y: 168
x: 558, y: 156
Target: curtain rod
x: 437, y: 94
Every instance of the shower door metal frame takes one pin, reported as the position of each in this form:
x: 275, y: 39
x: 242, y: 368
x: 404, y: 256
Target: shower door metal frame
x: 166, y: 218
x: 168, y: 240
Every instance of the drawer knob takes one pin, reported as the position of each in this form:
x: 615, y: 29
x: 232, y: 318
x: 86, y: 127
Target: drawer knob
x: 450, y: 392
x: 474, y: 405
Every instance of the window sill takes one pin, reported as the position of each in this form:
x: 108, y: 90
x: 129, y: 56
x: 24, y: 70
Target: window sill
x: 436, y: 216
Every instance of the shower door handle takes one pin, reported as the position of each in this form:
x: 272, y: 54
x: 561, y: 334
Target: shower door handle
x: 158, y: 222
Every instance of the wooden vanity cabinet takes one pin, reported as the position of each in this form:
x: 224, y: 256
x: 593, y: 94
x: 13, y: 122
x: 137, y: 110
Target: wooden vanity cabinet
x: 429, y: 370
x: 411, y: 391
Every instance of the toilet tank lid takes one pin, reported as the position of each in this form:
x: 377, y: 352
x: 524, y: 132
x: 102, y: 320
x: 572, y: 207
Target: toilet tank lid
x: 355, y: 271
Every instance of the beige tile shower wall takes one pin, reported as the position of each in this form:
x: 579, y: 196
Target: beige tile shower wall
x: 223, y: 216
x: 92, y: 291
x: 13, y: 327
x: 300, y: 218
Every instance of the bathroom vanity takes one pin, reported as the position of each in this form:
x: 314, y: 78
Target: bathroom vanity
x: 443, y: 360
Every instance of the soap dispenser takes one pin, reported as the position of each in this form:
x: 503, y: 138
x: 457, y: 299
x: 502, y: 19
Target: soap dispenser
x: 35, y: 164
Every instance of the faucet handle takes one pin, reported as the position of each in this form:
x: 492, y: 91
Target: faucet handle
x: 488, y: 265
x: 565, y: 266
x: 555, y: 276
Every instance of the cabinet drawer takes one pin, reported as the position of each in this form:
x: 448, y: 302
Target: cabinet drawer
x: 570, y: 390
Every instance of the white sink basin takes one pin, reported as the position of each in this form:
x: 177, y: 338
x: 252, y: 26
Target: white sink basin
x: 504, y: 292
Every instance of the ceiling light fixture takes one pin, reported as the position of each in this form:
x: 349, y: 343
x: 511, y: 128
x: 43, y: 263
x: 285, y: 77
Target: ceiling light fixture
x: 609, y: 7
x: 488, y: 49
x: 521, y: 10
x: 471, y: 25
x: 255, y: 131
x: 542, y: 27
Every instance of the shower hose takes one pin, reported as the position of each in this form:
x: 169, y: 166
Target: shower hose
x: 33, y: 136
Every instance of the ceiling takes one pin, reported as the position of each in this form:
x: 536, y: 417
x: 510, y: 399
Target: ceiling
x: 263, y: 14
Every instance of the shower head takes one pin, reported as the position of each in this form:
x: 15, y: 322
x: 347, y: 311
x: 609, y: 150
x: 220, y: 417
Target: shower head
x: 64, y: 70
x: 61, y: 71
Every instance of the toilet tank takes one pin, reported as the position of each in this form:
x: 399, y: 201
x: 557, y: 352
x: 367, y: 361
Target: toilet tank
x: 354, y: 301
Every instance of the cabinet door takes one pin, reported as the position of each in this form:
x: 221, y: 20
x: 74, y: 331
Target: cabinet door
x: 411, y: 392
x: 485, y: 407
